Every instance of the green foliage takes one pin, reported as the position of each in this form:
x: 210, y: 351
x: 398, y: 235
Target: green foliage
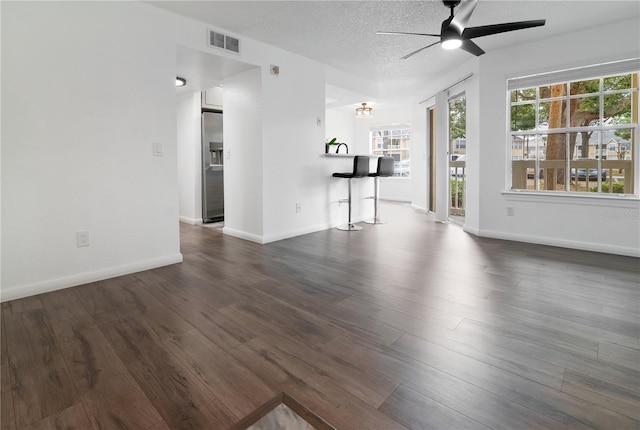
x: 618, y: 187
x: 523, y: 117
x: 459, y: 191
x: 458, y: 118
x: 617, y: 107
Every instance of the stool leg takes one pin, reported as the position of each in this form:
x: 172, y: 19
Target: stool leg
x: 350, y: 226
x: 376, y: 219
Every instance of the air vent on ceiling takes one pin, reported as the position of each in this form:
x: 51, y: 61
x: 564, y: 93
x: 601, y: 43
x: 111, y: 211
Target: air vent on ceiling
x: 223, y: 41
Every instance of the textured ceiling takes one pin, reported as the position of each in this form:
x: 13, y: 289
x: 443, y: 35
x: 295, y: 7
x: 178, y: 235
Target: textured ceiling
x: 342, y: 33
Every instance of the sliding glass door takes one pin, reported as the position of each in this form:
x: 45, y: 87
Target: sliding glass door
x: 457, y: 157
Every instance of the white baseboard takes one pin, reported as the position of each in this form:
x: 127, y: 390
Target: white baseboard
x: 191, y: 221
x: 20, y: 291
x: 294, y: 233
x: 242, y: 235
x: 274, y: 237
x: 584, y: 246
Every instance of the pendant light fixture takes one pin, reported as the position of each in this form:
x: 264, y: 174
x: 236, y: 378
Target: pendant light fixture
x: 364, y: 111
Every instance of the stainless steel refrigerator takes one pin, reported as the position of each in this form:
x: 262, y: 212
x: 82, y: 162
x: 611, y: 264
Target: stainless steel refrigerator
x: 212, y: 168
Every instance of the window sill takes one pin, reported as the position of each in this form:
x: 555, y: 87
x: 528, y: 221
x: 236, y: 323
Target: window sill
x: 587, y: 199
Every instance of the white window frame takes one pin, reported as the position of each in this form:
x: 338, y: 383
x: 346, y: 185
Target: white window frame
x: 380, y: 151
x: 567, y: 76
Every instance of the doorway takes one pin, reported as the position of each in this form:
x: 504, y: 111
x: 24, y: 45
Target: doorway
x: 457, y: 157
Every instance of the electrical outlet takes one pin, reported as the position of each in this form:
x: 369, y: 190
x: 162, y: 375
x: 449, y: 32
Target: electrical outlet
x: 298, y: 207
x: 82, y: 238
x: 319, y: 122
x: 510, y: 211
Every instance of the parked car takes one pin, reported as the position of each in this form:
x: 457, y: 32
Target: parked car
x: 541, y: 175
x: 582, y: 174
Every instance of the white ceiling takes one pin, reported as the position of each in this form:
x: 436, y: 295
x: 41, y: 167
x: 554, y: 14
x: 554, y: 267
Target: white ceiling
x: 342, y: 33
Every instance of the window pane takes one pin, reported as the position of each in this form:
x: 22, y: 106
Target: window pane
x: 523, y: 117
x: 551, y: 91
x: 393, y: 142
x: 618, y: 164
x: 552, y: 156
x: 552, y: 114
x: 585, y: 111
x: 525, y: 94
x: 585, y: 87
x: 621, y: 82
x: 522, y: 167
x: 585, y: 166
x: 617, y: 108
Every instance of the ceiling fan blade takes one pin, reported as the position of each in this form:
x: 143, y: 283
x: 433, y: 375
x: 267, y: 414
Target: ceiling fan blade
x: 486, y: 30
x: 461, y: 18
x: 421, y: 49
x: 471, y: 48
x: 403, y: 33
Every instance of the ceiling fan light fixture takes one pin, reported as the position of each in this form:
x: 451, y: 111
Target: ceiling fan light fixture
x: 180, y: 82
x: 451, y: 43
x: 363, y: 111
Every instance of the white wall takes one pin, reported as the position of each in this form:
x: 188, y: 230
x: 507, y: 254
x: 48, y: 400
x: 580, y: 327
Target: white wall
x: 287, y: 139
x: 293, y: 142
x: 607, y: 225
x: 341, y: 125
x: 243, y: 148
x: 85, y: 94
x: 189, y: 157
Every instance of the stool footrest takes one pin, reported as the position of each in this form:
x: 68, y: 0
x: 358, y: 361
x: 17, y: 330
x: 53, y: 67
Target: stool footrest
x: 349, y: 227
x: 375, y: 221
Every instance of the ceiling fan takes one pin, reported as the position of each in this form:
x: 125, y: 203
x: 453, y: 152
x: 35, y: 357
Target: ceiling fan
x: 454, y: 32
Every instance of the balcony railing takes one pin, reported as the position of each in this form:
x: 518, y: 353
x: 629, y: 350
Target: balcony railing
x: 524, y: 177
x: 458, y: 187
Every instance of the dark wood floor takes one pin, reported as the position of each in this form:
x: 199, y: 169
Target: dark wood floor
x: 410, y: 324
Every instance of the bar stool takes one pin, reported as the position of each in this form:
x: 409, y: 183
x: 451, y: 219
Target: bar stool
x: 385, y: 168
x: 360, y: 170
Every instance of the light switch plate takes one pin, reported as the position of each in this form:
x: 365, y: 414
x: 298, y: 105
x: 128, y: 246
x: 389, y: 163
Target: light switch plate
x: 157, y: 149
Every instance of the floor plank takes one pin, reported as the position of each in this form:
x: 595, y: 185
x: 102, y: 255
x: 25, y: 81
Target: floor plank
x: 71, y: 418
x: 40, y: 382
x: 111, y: 397
x: 7, y: 419
x: 416, y: 411
x: 409, y: 324
x: 239, y: 389
x: 311, y: 387
x: 180, y: 398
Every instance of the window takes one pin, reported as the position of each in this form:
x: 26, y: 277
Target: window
x: 393, y: 141
x: 574, y: 135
